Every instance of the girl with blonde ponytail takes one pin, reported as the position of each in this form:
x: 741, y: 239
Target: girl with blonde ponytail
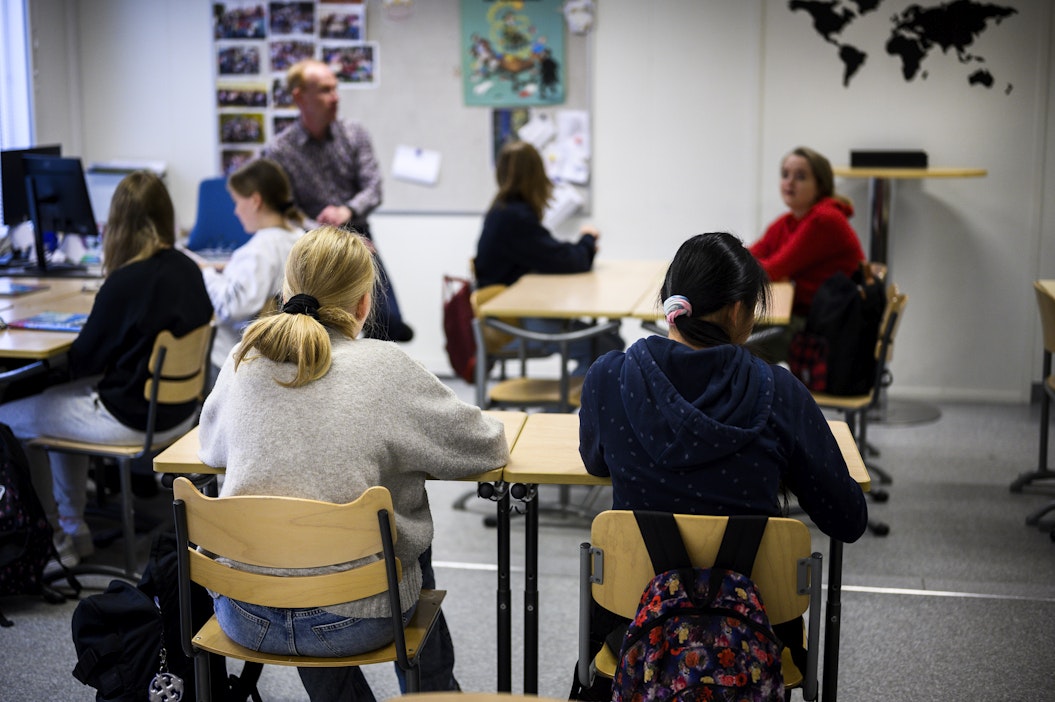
x: 304, y: 407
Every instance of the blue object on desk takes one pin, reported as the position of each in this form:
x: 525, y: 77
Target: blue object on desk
x: 52, y: 321
x: 216, y: 227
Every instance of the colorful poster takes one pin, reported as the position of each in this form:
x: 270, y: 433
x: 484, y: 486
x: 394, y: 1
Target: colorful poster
x: 513, y: 52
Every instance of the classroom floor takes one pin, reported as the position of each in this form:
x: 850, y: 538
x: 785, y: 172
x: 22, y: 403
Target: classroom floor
x: 957, y: 602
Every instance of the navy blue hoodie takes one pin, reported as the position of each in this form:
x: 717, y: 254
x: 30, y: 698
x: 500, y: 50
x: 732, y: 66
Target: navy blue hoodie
x: 713, y: 431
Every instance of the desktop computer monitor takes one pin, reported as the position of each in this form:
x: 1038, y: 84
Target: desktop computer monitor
x: 13, y: 181
x: 58, y: 205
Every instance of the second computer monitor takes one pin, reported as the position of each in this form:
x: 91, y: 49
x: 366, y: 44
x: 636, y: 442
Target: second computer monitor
x: 58, y: 205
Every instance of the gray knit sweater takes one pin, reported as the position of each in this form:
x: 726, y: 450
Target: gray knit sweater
x: 377, y: 417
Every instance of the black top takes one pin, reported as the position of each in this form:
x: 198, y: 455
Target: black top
x: 514, y: 242
x: 135, y: 303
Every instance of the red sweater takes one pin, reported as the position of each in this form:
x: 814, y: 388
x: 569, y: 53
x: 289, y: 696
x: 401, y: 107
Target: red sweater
x: 810, y: 250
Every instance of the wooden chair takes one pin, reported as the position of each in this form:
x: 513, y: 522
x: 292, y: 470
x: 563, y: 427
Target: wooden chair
x: 1045, y: 292
x: 615, y: 568
x: 178, y: 369
x: 855, y: 408
x: 286, y: 532
x: 493, y: 335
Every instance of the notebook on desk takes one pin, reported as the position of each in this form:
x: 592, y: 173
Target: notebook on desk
x: 11, y: 289
x: 51, y: 321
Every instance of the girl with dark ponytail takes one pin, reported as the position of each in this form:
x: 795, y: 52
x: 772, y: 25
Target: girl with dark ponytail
x: 695, y: 423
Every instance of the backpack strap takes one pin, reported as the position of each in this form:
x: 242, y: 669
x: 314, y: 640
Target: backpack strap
x: 663, y: 541
x: 743, y: 535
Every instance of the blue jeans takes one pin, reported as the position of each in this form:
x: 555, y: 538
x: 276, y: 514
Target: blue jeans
x: 436, y: 659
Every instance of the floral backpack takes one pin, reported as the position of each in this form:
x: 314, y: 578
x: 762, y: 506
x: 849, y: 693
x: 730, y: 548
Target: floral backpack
x: 699, y: 633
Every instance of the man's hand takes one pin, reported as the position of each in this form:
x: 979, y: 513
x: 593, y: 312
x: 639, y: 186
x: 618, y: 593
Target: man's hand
x: 336, y: 215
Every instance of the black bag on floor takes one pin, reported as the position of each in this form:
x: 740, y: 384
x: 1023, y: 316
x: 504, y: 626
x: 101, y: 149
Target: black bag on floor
x: 128, y: 637
x: 25, y: 535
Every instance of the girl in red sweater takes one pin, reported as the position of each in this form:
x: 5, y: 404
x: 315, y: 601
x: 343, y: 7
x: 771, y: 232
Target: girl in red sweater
x: 814, y: 240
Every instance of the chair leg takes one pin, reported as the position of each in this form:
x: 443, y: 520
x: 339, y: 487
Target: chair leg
x: 413, y: 676
x: 1034, y: 517
x: 202, y: 677
x: 128, y: 517
x: 1042, y: 472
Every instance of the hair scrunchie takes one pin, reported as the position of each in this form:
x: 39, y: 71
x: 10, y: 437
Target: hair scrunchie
x: 675, y: 306
x: 302, y: 304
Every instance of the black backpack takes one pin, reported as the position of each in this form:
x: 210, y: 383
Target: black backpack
x: 25, y: 535
x: 125, y: 635
x: 843, y: 322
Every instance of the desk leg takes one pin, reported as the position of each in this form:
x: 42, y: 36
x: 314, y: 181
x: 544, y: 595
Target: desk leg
x: 833, y: 614
x: 531, y: 593
x: 505, y: 612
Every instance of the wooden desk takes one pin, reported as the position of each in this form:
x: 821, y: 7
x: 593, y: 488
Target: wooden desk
x: 62, y: 295
x: 611, y: 290
x: 547, y: 453
x: 182, y: 456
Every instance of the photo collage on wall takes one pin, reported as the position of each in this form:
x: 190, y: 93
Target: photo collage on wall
x: 256, y: 42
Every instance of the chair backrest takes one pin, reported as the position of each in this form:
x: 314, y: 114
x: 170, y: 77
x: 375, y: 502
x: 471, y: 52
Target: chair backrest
x: 1046, y: 305
x: 285, y: 532
x: 178, y: 366
x: 889, y: 324
x: 627, y: 568
x: 494, y: 340
x: 215, y: 225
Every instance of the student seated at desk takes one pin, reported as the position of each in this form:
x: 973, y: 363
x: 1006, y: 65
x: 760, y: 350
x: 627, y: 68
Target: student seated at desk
x: 149, y: 287
x: 303, y: 408
x: 252, y: 278
x: 514, y: 242
x: 811, y: 242
x: 695, y: 424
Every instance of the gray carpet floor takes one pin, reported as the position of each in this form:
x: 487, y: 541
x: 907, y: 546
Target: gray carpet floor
x: 956, y: 603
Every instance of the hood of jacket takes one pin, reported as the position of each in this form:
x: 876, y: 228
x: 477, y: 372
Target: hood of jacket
x: 692, y: 407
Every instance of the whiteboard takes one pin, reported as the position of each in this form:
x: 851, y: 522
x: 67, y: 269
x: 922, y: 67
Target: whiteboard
x: 418, y: 102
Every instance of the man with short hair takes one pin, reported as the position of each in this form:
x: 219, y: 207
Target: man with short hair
x: 335, y: 176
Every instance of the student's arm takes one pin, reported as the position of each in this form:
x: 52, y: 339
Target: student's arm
x: 823, y: 234
x: 244, y: 286
x: 817, y: 473
x: 445, y: 437
x: 113, y: 312
x: 589, y: 435
x: 536, y: 249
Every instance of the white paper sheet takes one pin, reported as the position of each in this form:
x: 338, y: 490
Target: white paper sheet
x: 416, y: 165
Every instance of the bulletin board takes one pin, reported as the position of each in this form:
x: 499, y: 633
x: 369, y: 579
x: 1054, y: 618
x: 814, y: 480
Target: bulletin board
x: 414, y: 97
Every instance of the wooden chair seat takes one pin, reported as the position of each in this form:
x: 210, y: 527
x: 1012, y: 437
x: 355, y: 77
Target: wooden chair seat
x: 212, y: 639
x: 534, y: 391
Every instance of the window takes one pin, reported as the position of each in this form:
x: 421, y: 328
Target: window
x: 16, y: 105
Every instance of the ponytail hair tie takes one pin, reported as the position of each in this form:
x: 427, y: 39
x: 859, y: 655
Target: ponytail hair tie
x: 676, y: 306
x: 302, y: 304
x: 288, y: 205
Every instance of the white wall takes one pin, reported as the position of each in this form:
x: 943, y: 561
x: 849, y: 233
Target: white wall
x: 695, y: 101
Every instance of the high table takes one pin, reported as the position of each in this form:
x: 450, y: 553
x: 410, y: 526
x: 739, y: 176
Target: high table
x: 547, y: 453
x: 880, y: 200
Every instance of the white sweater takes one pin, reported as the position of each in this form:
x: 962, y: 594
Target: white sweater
x: 378, y: 417
x: 252, y: 277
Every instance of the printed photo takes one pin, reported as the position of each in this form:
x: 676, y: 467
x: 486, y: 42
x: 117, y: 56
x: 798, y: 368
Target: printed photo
x: 233, y: 159
x: 238, y: 60
x: 280, y: 122
x: 242, y: 128
x: 241, y: 96
x: 292, y: 17
x: 286, y: 53
x: 280, y: 96
x: 354, y: 65
x: 343, y: 25
x: 239, y: 20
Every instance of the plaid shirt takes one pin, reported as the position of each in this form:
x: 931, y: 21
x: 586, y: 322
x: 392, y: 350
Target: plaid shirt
x: 339, y: 170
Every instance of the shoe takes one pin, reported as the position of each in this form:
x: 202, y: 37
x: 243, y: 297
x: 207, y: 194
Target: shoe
x: 80, y: 536
x: 66, y: 550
